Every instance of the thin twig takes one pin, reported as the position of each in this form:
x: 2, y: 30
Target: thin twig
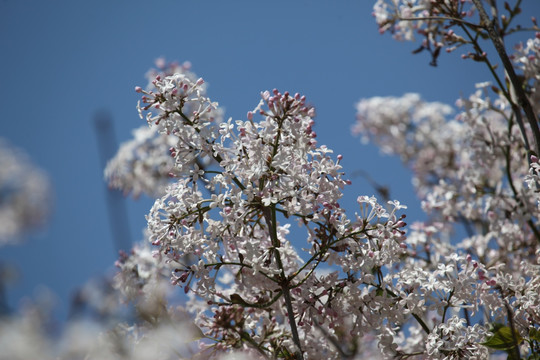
x: 441, y: 18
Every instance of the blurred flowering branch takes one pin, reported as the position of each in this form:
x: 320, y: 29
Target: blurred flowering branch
x: 25, y: 195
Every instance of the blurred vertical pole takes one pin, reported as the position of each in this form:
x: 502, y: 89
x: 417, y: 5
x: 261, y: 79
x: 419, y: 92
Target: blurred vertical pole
x: 4, y: 307
x: 115, y: 201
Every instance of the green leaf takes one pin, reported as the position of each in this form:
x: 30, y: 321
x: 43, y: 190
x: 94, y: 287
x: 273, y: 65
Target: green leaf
x: 237, y: 299
x: 534, y: 334
x: 502, y: 338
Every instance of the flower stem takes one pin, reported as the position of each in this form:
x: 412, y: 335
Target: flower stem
x: 270, y: 217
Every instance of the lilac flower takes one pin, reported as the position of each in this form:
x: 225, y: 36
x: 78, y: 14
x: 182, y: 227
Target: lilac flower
x: 25, y: 195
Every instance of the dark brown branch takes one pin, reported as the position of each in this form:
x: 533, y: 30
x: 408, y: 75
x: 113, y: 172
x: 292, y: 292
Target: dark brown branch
x: 523, y: 101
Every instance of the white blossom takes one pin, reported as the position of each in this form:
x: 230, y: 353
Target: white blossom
x: 25, y: 195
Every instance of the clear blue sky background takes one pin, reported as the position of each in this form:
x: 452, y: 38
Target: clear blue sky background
x: 61, y: 61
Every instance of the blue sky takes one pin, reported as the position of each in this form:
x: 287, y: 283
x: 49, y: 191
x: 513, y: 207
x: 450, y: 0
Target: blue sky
x: 62, y: 61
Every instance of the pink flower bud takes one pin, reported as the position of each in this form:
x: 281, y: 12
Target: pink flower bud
x: 138, y: 89
x: 401, y: 224
x: 481, y: 275
x: 184, y: 276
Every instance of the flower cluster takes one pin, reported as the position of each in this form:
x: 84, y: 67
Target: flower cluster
x: 418, y: 131
x: 25, y: 194
x: 475, y: 171
x: 143, y: 164
x: 446, y: 24
x: 359, y: 284
x: 146, y: 164
x: 222, y: 234
x: 431, y: 20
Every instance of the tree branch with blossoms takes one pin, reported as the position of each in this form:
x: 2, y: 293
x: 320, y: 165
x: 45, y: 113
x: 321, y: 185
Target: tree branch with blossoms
x: 363, y: 283
x: 434, y: 20
x: 462, y: 284
x: 260, y: 170
x: 517, y: 87
x: 478, y: 169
